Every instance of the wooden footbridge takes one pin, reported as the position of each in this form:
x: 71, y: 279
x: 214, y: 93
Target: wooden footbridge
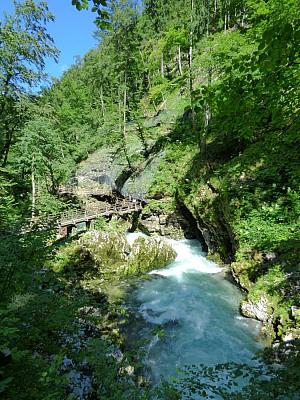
x: 70, y: 219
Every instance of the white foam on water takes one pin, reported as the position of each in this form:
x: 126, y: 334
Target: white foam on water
x: 189, y: 259
x: 131, y: 237
x: 241, y: 318
x: 196, y: 313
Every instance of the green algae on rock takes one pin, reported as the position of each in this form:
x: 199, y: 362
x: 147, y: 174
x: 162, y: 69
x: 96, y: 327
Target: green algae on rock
x: 109, y: 251
x: 148, y: 254
x: 112, y: 253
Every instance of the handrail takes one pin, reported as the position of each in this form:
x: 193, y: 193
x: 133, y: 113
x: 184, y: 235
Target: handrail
x: 71, y: 217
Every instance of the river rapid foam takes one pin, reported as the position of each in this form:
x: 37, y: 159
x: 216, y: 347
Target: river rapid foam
x: 188, y: 313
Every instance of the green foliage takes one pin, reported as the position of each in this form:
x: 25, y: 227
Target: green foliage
x: 173, y: 168
x: 36, y: 321
x: 109, y: 385
x: 160, y: 206
x: 100, y: 7
x: 20, y: 256
x: 25, y: 43
x: 68, y: 259
x: 264, y: 229
x: 7, y: 207
x: 114, y: 225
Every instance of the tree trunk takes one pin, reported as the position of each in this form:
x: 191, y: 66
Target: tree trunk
x: 208, y: 17
x: 155, y: 107
x: 149, y: 80
x: 191, y: 63
x: 243, y: 18
x: 207, y: 118
x: 33, y: 190
x: 124, y: 123
x: 162, y: 65
x: 102, y: 102
x: 179, y: 61
x: 124, y: 109
x: 120, y: 111
x: 6, y: 147
x: 142, y: 138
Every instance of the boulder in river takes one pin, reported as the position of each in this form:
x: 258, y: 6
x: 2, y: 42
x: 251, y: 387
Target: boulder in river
x: 148, y: 254
x: 112, y: 253
x: 259, y: 309
x: 108, y: 250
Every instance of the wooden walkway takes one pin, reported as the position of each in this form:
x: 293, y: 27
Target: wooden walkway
x: 71, y: 218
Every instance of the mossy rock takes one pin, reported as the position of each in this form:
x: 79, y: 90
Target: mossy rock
x: 148, y: 254
x: 112, y: 254
x: 108, y: 250
x: 241, y: 271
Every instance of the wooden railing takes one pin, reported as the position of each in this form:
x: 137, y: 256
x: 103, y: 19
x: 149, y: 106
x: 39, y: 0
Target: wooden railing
x: 120, y: 207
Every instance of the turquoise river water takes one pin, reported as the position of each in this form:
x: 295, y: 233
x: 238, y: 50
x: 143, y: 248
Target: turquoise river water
x: 188, y: 313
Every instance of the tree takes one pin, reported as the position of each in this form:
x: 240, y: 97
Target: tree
x: 40, y: 155
x: 98, y: 6
x: 24, y: 45
x: 7, y: 204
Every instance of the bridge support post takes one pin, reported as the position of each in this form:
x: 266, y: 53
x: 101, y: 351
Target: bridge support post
x: 69, y: 230
x: 63, y: 231
x: 88, y: 225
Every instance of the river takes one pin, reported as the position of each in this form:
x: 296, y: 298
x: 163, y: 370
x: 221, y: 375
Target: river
x: 188, y: 313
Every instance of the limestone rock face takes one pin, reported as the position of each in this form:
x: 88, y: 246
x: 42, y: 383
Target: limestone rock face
x: 259, y: 309
x: 171, y: 224
x: 148, y: 254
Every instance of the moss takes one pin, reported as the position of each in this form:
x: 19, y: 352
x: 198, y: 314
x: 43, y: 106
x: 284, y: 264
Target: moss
x: 148, y: 254
x: 108, y: 250
x: 167, y: 204
x: 99, y: 257
x: 274, y: 287
x: 215, y: 257
x: 70, y: 259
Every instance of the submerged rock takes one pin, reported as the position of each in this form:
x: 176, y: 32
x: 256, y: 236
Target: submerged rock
x: 80, y: 385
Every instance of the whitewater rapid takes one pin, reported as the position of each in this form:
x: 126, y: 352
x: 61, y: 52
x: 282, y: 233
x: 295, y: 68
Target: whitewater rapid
x: 188, y: 313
